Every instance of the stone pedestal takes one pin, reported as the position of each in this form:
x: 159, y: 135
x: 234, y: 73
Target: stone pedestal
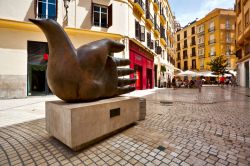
x: 79, y: 124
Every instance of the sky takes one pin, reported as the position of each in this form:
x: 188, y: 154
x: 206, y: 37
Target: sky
x: 188, y: 10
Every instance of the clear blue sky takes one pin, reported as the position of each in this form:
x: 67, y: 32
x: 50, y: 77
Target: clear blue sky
x: 188, y: 10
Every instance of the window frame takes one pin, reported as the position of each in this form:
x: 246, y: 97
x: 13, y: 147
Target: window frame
x: 47, y: 3
x: 100, y: 14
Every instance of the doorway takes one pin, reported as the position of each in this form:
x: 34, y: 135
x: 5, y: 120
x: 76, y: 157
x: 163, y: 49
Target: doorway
x: 149, y: 79
x: 138, y: 77
x: 247, y: 74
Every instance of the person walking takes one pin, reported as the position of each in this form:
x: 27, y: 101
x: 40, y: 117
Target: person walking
x: 199, y: 84
x: 173, y: 82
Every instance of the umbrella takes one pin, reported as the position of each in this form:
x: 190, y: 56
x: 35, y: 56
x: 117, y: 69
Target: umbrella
x: 188, y: 73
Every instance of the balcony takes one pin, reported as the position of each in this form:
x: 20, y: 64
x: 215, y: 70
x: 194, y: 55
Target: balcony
x: 163, y: 38
x: 149, y: 19
x: 156, y: 5
x: 212, y: 41
x: 201, y: 33
x: 139, y: 6
x: 201, y: 56
x: 228, y: 27
x: 212, y: 53
x: 157, y: 30
x: 201, y: 44
x: 211, y: 29
x: 228, y: 40
x: 162, y: 18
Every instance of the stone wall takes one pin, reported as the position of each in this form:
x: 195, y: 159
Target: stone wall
x: 13, y: 86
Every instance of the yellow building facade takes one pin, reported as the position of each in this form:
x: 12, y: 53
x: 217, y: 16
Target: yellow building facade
x: 242, y: 9
x: 206, y: 38
x: 216, y: 36
x: 186, y: 48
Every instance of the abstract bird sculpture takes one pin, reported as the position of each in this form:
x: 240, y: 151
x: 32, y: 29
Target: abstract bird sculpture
x: 87, y: 73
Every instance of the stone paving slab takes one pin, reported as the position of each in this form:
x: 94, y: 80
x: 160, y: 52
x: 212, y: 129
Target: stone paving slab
x: 182, y: 127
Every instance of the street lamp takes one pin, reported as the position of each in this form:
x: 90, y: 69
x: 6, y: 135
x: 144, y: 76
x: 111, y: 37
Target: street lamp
x: 66, y: 6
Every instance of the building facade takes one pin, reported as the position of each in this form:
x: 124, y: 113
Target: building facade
x: 215, y: 36
x: 186, y: 48
x: 242, y: 9
x: 206, y: 38
x: 145, y: 27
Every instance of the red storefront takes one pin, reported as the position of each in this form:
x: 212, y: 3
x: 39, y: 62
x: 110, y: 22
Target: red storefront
x: 143, y: 63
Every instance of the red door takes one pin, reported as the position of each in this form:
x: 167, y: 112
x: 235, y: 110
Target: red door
x: 138, y: 76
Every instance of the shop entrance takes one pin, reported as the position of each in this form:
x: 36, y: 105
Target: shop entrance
x: 149, y: 79
x: 37, y: 66
x: 247, y: 74
x: 138, y: 77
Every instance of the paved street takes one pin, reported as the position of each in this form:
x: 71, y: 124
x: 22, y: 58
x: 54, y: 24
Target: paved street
x: 182, y: 127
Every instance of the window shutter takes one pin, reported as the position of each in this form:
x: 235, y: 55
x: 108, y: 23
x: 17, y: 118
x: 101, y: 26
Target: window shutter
x: 92, y: 14
x: 110, y: 15
x: 142, y: 30
x: 35, y: 8
x: 137, y: 30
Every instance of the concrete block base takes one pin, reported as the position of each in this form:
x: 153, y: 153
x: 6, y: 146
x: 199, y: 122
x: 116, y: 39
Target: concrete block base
x: 80, y: 124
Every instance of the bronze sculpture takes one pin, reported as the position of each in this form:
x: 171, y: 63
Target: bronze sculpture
x: 87, y: 73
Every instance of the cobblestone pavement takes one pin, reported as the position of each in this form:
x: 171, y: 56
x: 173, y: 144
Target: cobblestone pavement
x: 182, y: 127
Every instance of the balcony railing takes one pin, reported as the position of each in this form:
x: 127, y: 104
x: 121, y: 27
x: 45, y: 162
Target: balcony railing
x: 212, y: 41
x: 201, y: 44
x: 211, y: 29
x: 201, y: 32
x: 228, y: 27
x: 228, y: 40
x: 212, y: 53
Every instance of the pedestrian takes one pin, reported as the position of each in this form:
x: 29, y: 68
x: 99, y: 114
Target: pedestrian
x: 169, y: 82
x: 222, y: 81
x: 199, y: 83
x: 173, y: 82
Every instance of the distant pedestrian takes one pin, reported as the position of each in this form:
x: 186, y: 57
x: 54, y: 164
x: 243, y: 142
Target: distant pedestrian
x: 173, y: 82
x: 222, y: 81
x: 199, y: 83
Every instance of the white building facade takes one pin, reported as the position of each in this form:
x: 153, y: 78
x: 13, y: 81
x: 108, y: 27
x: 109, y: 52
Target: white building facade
x: 24, y: 53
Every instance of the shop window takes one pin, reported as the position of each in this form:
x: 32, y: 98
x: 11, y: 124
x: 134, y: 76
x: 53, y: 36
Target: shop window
x: 102, y: 15
x: 46, y: 9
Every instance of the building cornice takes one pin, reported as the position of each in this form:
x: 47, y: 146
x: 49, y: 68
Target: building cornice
x: 28, y: 26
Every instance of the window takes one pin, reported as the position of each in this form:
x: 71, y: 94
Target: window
x: 178, y: 37
x: 139, y: 31
x: 239, y: 7
x: 102, y: 16
x: 142, y: 28
x: 185, y: 65
x: 185, y: 43
x: 185, y: 34
x: 179, y: 56
x: 193, y: 51
x: 178, y: 46
x: 201, y: 51
x: 193, y: 41
x: 46, y: 9
x: 212, y: 51
x: 179, y: 65
x: 193, y: 30
x: 148, y: 39
x: 185, y: 54
x: 193, y: 64
x: 247, y: 18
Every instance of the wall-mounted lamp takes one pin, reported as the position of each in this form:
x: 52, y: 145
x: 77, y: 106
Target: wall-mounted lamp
x: 66, y: 6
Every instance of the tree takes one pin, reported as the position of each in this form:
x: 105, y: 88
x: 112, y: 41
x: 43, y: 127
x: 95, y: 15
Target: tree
x: 218, y: 64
